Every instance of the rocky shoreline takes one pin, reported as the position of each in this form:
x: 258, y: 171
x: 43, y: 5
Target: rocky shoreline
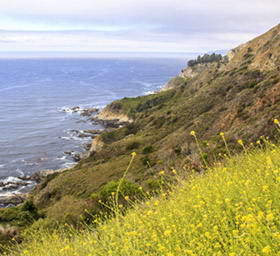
x: 15, y: 190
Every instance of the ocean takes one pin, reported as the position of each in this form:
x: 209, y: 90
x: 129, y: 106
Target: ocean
x: 35, y: 129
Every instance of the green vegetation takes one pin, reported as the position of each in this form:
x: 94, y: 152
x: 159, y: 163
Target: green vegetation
x: 126, y: 188
x: 132, y: 106
x: 21, y: 216
x: 206, y: 58
x: 147, y: 150
x: 232, y: 209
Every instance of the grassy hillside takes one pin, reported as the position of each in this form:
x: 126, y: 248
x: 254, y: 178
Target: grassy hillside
x: 239, y: 96
x: 231, y: 209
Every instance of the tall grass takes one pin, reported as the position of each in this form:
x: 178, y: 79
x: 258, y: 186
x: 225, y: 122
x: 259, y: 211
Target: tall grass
x: 232, y: 209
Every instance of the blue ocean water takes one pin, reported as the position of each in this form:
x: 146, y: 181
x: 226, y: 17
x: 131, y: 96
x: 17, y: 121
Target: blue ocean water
x: 34, y: 132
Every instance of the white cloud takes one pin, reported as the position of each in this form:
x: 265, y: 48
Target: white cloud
x: 133, y: 25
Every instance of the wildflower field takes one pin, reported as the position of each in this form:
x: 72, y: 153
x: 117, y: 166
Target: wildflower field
x: 231, y: 209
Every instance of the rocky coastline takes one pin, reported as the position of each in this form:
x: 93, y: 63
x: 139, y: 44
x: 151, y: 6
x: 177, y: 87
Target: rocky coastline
x: 15, y: 190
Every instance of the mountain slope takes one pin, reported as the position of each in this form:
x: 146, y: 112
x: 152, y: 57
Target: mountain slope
x: 231, y: 210
x: 239, y: 96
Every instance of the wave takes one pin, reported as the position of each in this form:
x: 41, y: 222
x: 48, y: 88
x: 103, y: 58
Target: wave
x: 68, y: 110
x: 146, y: 84
x: 71, y: 137
x: 62, y: 158
x: 11, y: 179
x: 76, y: 135
x: 77, y: 109
x: 67, y: 165
x: 20, y: 172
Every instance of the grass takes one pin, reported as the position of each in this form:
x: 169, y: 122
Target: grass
x: 131, y: 106
x: 231, y: 209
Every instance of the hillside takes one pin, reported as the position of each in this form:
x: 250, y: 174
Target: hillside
x: 233, y: 209
x: 238, y: 95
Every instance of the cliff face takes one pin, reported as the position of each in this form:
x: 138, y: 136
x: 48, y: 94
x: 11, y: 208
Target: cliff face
x: 97, y: 144
x: 110, y: 114
x: 240, y: 97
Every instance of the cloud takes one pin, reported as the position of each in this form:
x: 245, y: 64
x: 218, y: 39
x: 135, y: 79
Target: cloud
x: 132, y: 25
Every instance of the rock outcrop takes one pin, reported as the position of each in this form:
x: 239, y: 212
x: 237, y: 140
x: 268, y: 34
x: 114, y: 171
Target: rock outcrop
x: 97, y: 144
x: 108, y: 115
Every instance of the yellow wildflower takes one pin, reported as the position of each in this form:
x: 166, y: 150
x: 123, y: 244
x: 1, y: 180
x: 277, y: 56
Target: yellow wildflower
x: 266, y: 250
x: 133, y: 154
x: 169, y: 254
x: 167, y: 232
x: 192, y: 133
x: 276, y: 121
x: 240, y: 142
x: 270, y: 217
x: 217, y: 245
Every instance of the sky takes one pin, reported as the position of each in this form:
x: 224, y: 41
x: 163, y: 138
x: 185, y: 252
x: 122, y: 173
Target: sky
x: 129, y: 26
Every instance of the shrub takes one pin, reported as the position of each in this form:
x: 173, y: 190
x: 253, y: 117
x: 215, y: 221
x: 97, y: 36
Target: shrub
x: 155, y: 184
x: 133, y: 145
x: 127, y: 188
x: 146, y: 161
x: 147, y: 150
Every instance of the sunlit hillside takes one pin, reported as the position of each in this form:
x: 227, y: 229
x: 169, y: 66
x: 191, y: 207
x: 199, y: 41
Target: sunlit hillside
x: 232, y: 209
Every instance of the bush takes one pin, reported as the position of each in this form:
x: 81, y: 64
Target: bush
x: 133, y: 145
x: 20, y: 215
x: 146, y: 161
x: 127, y: 188
x: 155, y: 184
x: 147, y: 150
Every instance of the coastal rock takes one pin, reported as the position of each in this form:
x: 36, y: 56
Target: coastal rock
x: 12, y: 196
x: 83, y: 112
x: 97, y: 144
x: 108, y: 123
x: 89, y: 111
x: 107, y: 115
x: 13, y: 183
x: 94, y: 132
x: 75, y: 156
x: 72, y: 110
x: 12, y: 199
x: 41, y: 175
x: 85, y: 133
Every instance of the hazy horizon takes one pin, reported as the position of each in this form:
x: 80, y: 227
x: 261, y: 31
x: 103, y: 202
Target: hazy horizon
x: 77, y: 54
